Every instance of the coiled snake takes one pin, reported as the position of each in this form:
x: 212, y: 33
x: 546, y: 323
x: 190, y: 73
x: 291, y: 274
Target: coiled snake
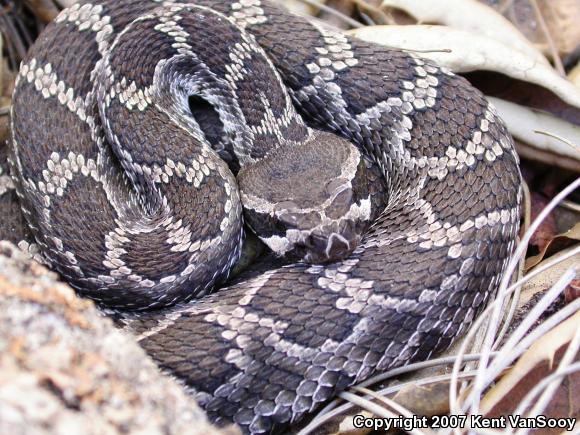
x: 119, y: 114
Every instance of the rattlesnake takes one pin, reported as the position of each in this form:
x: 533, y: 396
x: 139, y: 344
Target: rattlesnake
x: 119, y: 114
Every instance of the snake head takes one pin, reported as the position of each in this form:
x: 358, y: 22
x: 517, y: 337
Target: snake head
x: 309, y: 201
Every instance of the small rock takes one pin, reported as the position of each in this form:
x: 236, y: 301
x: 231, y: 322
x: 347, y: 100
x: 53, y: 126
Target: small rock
x: 65, y: 369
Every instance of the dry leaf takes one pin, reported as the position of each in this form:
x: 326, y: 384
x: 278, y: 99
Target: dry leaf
x: 547, y: 229
x: 345, y: 9
x: 562, y: 18
x: 572, y: 234
x: 536, y: 363
x: 574, y: 75
x: 523, y: 123
x: 345, y: 426
x: 300, y: 8
x: 528, y: 152
x: 45, y: 10
x: 572, y: 292
x: 548, y: 278
x: 66, y: 3
x: 471, y: 16
x: 429, y: 400
x: 521, y: 14
x: 470, y: 52
x: 525, y: 94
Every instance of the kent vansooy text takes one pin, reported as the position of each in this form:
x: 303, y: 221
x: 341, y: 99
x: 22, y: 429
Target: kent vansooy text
x: 464, y: 421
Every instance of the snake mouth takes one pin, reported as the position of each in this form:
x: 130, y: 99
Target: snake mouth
x: 329, y: 234
x: 315, y: 247
x: 310, y: 238
x: 329, y: 247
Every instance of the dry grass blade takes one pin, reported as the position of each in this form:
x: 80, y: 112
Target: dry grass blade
x: 416, y: 366
x: 453, y: 400
x: 319, y: 420
x: 516, y: 344
x: 481, y: 381
x: 388, y: 402
x: 510, y: 351
x: 513, y: 305
x: 571, y: 206
x: 552, y: 382
x: 547, y: 325
x: 518, y: 350
x: 560, y: 138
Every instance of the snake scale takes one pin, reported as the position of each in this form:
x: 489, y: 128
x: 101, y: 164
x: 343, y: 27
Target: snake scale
x: 120, y: 114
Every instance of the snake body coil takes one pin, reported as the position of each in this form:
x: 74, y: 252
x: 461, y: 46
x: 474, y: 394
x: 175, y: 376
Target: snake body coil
x: 119, y: 114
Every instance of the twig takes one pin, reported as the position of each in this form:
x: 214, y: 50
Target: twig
x: 367, y: 20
